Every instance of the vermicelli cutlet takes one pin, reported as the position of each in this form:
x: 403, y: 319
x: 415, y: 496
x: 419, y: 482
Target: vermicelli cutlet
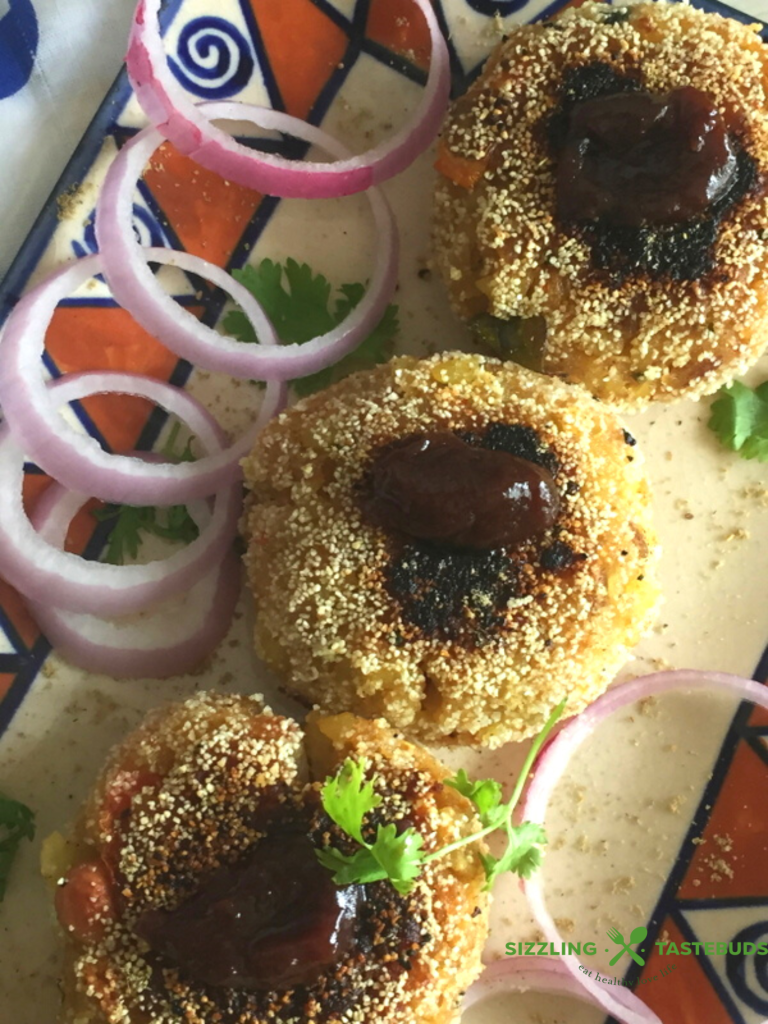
x: 449, y: 641
x: 193, y: 892
x: 574, y: 227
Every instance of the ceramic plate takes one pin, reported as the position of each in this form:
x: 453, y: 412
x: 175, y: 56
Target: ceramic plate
x: 663, y: 820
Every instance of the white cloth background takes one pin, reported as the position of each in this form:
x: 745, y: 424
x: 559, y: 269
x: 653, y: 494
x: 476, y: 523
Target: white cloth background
x: 81, y: 47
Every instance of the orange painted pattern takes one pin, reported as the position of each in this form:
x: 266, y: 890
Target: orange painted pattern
x: 15, y: 609
x: 759, y: 717
x: 82, y: 526
x: 105, y: 338
x: 6, y: 682
x: 305, y: 48
x: 683, y: 996
x: 108, y: 338
x: 400, y: 26
x: 208, y: 214
x: 12, y: 604
x: 732, y: 859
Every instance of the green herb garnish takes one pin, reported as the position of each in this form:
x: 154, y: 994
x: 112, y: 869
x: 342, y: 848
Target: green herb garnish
x: 17, y: 822
x: 131, y: 522
x: 349, y: 796
x: 739, y: 417
x: 298, y: 302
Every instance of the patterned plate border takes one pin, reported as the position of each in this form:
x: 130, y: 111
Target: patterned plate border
x: 374, y: 28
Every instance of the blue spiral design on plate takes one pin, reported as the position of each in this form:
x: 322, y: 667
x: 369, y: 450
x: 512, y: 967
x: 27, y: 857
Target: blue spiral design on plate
x: 145, y: 228
x: 213, y: 59
x: 752, y: 991
x: 18, y: 46
x: 491, y: 7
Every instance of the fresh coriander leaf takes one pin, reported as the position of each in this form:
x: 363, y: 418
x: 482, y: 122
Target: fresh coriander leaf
x: 179, y: 525
x: 739, y: 417
x: 298, y: 313
x: 351, y: 869
x: 373, y: 350
x: 485, y: 794
x: 400, y: 856
x: 347, y: 798
x: 297, y: 302
x: 129, y: 522
x: 529, y: 862
x: 522, y: 855
x: 17, y: 822
x: 169, y: 448
x: 237, y: 324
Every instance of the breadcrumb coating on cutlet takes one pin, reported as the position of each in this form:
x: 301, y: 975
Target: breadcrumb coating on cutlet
x: 501, y: 251
x: 326, y: 618
x: 211, y: 761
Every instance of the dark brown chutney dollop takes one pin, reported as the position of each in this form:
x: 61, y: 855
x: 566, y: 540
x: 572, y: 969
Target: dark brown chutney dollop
x: 439, y: 488
x: 382, y: 940
x: 462, y: 593
x: 636, y: 158
x: 646, y: 178
x: 272, y: 920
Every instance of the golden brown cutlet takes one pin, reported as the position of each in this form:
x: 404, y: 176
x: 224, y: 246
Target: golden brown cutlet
x: 683, y: 308
x: 456, y: 647
x: 183, y: 793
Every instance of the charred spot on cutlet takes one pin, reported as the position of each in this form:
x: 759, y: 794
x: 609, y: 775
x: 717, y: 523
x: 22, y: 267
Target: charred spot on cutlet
x: 559, y: 556
x: 581, y: 83
x: 520, y: 440
x: 616, y: 16
x: 681, y: 251
x: 456, y: 595
x: 463, y: 595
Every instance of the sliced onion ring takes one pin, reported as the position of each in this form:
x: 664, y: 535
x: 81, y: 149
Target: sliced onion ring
x: 171, y: 110
x: 137, y: 289
x: 521, y: 974
x: 167, y: 641
x: 46, y: 574
x: 78, y: 461
x: 553, y: 762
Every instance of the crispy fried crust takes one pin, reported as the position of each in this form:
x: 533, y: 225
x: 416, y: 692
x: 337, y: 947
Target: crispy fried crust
x: 206, y: 765
x: 326, y: 617
x: 501, y: 252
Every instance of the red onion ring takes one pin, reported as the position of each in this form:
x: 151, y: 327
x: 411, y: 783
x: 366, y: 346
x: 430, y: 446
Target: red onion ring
x: 520, y: 974
x: 553, y: 762
x: 137, y: 289
x: 45, y: 574
x: 169, y: 641
x: 78, y: 461
x: 171, y: 110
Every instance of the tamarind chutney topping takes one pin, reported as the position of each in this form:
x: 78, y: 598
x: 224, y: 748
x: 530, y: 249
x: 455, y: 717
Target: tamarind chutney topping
x: 274, y: 919
x: 439, y: 488
x: 636, y: 158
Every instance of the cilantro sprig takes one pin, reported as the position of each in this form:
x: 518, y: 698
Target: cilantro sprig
x: 349, y: 797
x: 17, y: 822
x: 131, y: 522
x: 739, y: 417
x: 298, y: 302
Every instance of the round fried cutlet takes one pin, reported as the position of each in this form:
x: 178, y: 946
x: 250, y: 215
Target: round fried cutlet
x: 452, y: 645
x: 641, y: 313
x: 197, y: 787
